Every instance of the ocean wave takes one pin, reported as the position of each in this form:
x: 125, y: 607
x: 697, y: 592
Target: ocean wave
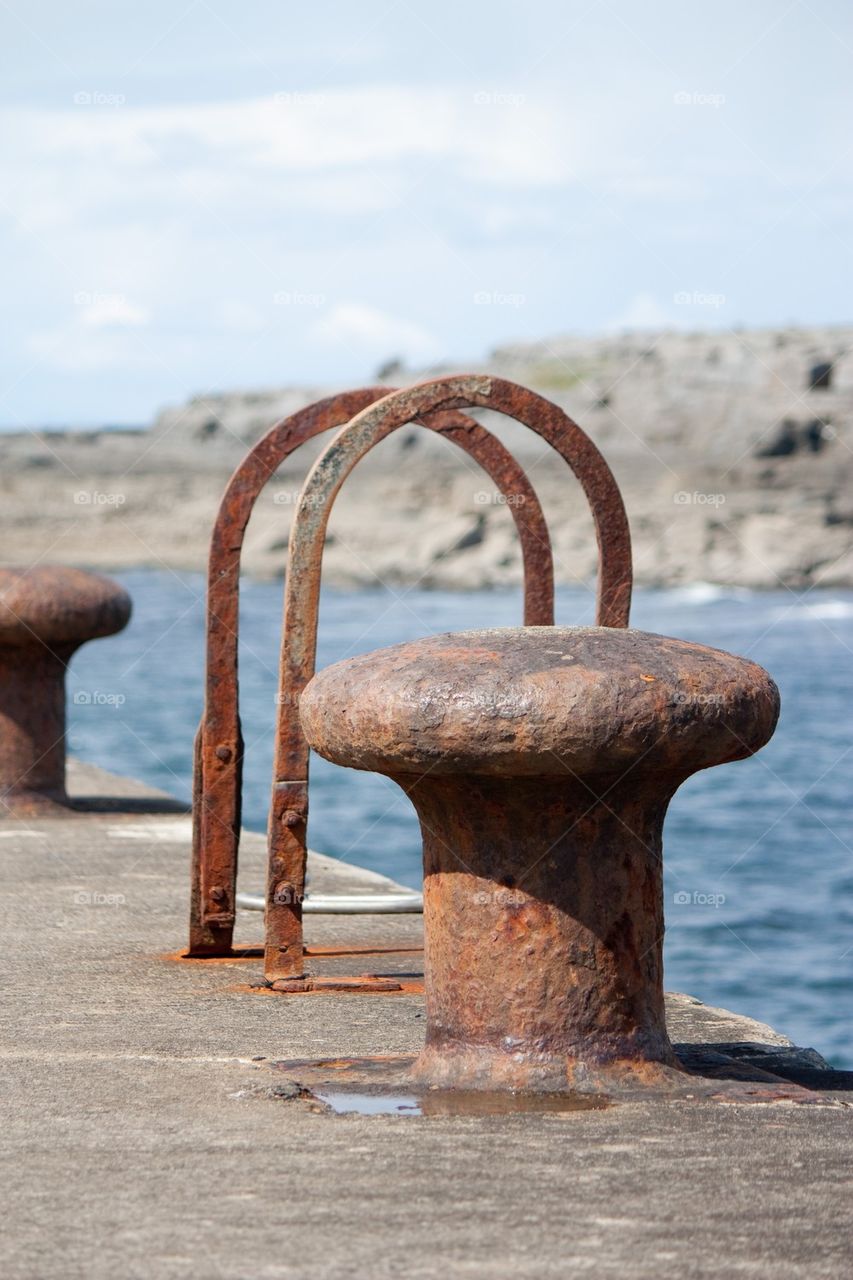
x: 820, y: 610
x: 704, y: 593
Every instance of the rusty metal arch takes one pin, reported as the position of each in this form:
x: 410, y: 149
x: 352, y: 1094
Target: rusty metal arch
x: 218, y: 749
x: 289, y: 801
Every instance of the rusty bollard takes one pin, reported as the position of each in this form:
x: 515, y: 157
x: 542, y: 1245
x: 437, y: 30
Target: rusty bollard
x: 541, y: 761
x: 46, y: 613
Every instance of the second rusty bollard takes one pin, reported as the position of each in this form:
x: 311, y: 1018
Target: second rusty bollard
x: 541, y: 761
x: 46, y: 613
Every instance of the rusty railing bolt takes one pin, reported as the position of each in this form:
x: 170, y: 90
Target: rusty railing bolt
x: 541, y: 761
x: 46, y: 613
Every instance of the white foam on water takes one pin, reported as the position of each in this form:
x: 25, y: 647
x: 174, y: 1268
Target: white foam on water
x: 830, y: 609
x: 704, y: 593
x: 822, y: 610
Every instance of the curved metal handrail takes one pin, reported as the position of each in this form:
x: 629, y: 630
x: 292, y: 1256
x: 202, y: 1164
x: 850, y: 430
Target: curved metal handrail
x: 218, y: 749
x: 289, y: 801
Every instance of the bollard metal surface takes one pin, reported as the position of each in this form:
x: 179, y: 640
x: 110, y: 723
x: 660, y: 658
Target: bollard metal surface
x: 541, y: 762
x: 46, y: 613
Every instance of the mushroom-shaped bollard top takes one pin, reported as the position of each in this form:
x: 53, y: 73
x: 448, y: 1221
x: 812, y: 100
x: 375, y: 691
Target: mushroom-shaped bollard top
x: 533, y: 701
x: 45, y: 614
x: 59, y: 608
x: 541, y: 761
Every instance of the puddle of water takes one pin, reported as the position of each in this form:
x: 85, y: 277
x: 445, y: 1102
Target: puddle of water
x: 369, y: 1104
x: 447, y: 1102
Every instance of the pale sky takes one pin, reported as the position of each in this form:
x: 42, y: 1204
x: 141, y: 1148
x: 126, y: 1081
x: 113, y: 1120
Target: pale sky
x: 225, y: 195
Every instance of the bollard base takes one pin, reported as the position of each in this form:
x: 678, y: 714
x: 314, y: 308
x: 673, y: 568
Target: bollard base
x: 36, y: 804
x: 387, y: 1084
x: 486, y: 1067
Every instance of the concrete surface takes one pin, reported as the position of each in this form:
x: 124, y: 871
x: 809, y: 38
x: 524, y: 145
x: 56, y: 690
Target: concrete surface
x: 144, y: 1134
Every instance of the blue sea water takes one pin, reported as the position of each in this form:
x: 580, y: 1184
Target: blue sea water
x: 758, y: 854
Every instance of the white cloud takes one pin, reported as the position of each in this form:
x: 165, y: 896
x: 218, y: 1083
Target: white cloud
x: 376, y: 333
x: 101, y: 333
x: 238, y: 317
x: 110, y: 311
x: 505, y: 144
x: 642, y: 312
x: 75, y: 349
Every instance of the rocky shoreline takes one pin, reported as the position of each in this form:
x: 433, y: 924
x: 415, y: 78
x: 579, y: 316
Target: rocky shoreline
x: 734, y: 452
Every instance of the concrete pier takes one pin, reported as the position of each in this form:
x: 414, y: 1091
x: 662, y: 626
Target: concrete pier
x: 147, y: 1132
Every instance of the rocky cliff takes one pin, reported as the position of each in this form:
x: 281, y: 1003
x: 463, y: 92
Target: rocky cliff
x: 734, y: 451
